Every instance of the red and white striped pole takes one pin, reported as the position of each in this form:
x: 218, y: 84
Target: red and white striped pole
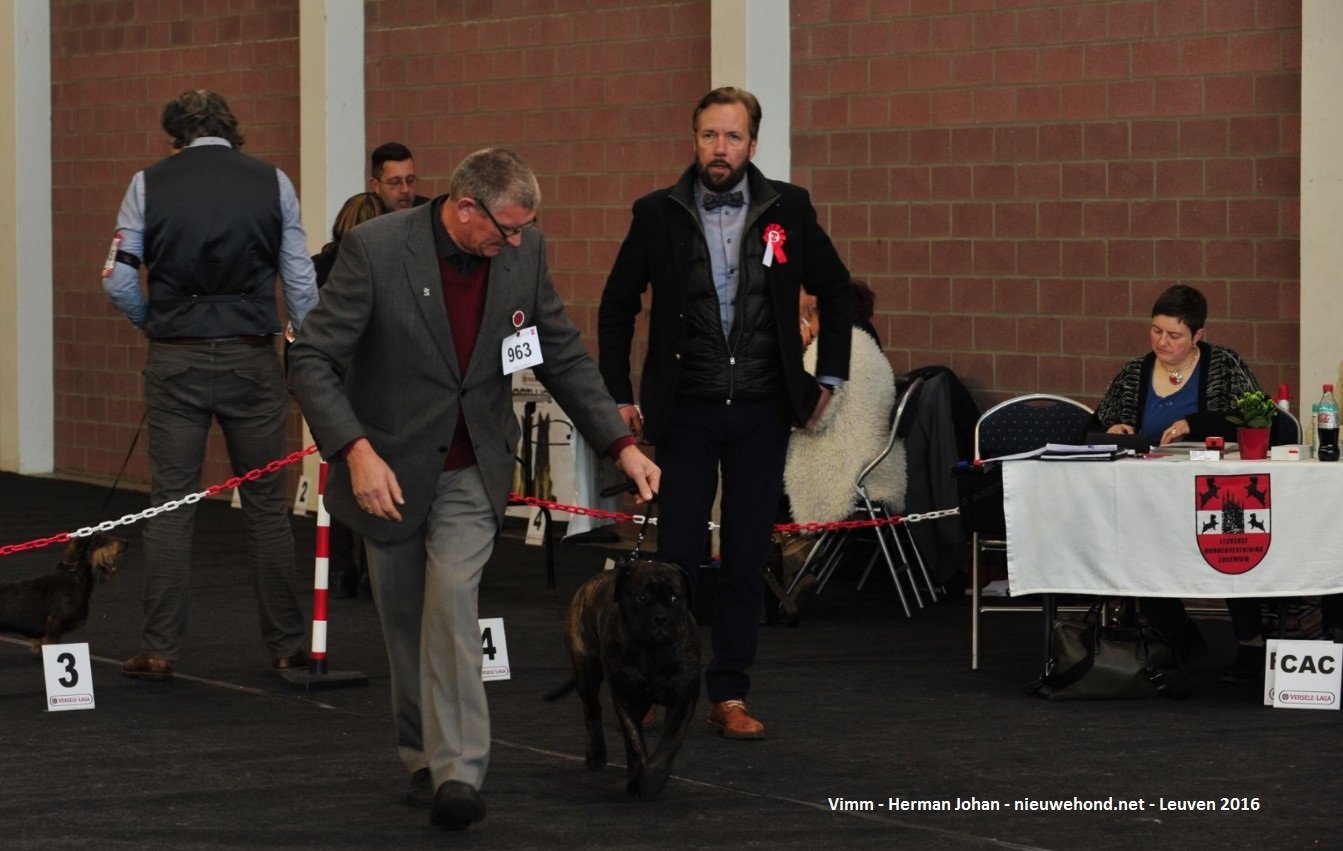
x: 317, y: 676
x: 321, y: 573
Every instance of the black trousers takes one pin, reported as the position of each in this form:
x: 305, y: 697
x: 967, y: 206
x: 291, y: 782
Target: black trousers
x: 750, y: 441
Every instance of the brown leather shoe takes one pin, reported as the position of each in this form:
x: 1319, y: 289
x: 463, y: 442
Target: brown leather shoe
x: 144, y: 667
x: 298, y: 659
x: 732, y: 720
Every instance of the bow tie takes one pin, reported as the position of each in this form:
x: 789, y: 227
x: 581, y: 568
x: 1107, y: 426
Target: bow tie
x: 729, y: 199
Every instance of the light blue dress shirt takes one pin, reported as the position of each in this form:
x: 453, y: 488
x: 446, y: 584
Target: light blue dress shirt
x: 723, y: 229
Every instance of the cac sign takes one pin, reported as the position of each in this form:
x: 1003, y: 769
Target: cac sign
x: 1303, y: 674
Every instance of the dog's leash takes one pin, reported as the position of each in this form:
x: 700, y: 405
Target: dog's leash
x: 127, y: 460
x: 629, y: 487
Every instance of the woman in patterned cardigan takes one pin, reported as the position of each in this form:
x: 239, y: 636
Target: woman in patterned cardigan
x: 1184, y: 388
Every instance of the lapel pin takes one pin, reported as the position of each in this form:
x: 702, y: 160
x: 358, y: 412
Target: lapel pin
x: 518, y: 318
x: 426, y: 291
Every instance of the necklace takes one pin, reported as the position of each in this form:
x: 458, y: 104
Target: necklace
x: 1176, y: 375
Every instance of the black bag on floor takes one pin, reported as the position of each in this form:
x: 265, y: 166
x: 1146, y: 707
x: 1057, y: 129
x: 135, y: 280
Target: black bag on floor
x: 1094, y: 662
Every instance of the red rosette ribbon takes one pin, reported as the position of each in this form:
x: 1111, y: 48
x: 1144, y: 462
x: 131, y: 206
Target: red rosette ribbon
x: 775, y: 238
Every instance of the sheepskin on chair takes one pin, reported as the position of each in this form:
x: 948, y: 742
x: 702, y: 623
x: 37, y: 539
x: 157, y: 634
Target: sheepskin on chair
x: 824, y: 461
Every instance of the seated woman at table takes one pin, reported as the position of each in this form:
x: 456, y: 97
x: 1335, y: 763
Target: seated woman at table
x: 1184, y: 388
x: 1181, y: 390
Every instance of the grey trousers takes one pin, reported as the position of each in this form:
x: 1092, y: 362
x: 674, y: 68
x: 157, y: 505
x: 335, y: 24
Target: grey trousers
x: 240, y: 384
x: 425, y: 589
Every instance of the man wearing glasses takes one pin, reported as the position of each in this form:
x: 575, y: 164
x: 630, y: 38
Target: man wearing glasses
x: 403, y: 372
x: 394, y: 178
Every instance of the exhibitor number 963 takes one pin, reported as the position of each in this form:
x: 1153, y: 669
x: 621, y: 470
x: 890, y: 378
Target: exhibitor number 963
x: 521, y: 351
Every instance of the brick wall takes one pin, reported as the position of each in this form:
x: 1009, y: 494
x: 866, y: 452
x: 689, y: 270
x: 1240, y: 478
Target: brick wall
x: 114, y: 65
x: 1018, y: 179
x: 595, y: 96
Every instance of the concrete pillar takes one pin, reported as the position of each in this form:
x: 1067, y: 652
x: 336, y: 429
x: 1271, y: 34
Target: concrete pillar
x: 27, y: 432
x: 750, y: 47
x: 331, y: 129
x: 331, y: 111
x: 1321, y: 198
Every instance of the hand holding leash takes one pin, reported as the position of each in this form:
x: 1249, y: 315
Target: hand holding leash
x: 645, y: 476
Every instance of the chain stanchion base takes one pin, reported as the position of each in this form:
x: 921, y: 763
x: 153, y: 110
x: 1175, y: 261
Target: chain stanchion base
x: 311, y: 680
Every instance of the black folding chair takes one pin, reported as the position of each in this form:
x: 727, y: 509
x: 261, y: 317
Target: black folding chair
x: 1016, y: 425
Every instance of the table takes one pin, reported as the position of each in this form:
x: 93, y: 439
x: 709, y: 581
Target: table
x: 1174, y: 528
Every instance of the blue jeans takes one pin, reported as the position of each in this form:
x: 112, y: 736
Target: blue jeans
x: 187, y: 385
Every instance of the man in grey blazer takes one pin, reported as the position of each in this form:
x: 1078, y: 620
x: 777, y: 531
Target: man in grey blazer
x: 401, y: 373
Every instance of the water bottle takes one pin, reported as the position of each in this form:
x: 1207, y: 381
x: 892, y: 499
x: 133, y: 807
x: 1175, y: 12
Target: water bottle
x: 1326, y: 426
x: 1314, y: 433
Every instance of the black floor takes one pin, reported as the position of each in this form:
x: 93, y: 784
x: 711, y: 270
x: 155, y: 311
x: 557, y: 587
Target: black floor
x: 861, y: 705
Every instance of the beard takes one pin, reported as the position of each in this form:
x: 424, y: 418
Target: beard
x: 731, y: 179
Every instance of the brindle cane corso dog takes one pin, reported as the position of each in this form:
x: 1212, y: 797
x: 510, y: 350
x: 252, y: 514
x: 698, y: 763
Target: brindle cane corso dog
x: 632, y: 627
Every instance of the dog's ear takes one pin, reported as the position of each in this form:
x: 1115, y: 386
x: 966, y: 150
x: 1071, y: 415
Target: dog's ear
x: 75, y: 550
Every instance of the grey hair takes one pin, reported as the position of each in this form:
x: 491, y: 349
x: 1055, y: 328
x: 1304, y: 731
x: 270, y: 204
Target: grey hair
x: 496, y: 177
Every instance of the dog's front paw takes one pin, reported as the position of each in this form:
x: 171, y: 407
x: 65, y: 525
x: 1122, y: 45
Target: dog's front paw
x: 648, y: 784
x: 635, y: 785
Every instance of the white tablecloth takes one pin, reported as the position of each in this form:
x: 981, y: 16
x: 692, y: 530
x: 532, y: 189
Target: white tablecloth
x: 1165, y: 528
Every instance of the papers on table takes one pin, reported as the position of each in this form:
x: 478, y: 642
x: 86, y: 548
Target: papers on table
x: 1088, y: 452
x: 1069, y: 452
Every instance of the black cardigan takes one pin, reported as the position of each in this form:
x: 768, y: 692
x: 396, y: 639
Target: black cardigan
x: 1223, y: 376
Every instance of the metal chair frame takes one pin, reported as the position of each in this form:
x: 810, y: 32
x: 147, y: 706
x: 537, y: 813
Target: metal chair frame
x: 831, y: 545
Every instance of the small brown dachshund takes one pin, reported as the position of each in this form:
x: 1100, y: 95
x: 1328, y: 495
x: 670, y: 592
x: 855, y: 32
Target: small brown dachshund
x: 46, y: 607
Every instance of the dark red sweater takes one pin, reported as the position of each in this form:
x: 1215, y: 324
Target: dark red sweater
x: 464, y: 295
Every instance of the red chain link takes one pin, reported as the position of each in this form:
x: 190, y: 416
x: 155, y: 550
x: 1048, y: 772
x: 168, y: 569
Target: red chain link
x: 617, y: 516
x: 60, y: 538
x: 621, y: 517
x: 253, y: 475
x: 213, y: 490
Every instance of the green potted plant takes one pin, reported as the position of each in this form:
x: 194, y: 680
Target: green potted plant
x: 1254, y: 417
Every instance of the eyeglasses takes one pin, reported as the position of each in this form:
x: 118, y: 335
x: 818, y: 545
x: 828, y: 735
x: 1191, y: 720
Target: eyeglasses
x: 398, y: 182
x: 506, y: 233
